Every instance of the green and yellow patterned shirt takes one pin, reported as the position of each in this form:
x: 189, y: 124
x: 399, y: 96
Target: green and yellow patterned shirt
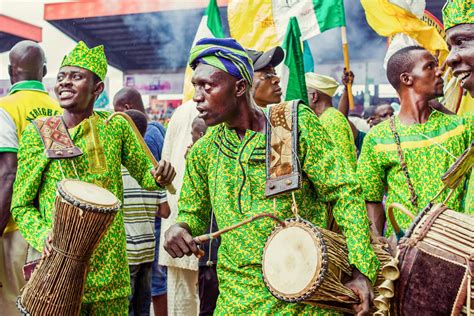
x: 37, y: 176
x: 429, y: 150
x: 340, y: 131
x: 227, y: 174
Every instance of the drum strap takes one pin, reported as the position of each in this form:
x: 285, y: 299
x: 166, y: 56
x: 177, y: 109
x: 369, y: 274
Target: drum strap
x: 283, y: 172
x: 414, y: 197
x: 56, y: 139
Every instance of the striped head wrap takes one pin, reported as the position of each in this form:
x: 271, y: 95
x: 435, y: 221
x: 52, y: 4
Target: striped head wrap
x: 225, y: 54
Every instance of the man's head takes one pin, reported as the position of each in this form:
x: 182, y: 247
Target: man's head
x: 381, y: 113
x: 320, y: 89
x: 198, y: 129
x: 140, y: 119
x: 128, y: 99
x: 415, y: 70
x: 80, y: 79
x: 266, y: 84
x: 222, y: 78
x: 458, y: 18
x: 27, y: 62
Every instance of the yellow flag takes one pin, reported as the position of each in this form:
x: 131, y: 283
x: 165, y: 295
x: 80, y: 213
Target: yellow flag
x: 251, y: 23
x: 388, y: 19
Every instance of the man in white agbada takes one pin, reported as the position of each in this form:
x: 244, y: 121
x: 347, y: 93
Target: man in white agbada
x: 183, y: 296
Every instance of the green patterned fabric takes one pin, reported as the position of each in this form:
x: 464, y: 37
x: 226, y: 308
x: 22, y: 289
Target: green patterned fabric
x: 92, y: 59
x: 108, y: 277
x: 231, y: 182
x: 458, y: 12
x: 429, y: 150
x: 337, y: 126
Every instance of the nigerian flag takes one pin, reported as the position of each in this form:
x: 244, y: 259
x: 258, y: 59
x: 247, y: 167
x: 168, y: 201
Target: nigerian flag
x: 210, y: 26
x: 292, y: 74
x: 314, y: 16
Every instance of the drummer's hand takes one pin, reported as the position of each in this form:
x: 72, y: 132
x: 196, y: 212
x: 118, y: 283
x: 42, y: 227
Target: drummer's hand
x: 164, y: 173
x: 47, y: 245
x: 363, y: 289
x: 179, y: 242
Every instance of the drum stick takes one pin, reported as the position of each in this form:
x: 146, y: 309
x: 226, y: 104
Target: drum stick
x: 206, y: 237
x: 170, y: 187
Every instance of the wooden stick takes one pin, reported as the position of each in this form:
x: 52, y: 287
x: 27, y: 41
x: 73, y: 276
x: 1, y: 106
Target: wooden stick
x: 206, y: 237
x: 170, y: 187
x: 345, y: 52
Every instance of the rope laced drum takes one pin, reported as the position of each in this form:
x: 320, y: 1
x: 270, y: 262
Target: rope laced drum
x: 308, y: 264
x: 83, y: 213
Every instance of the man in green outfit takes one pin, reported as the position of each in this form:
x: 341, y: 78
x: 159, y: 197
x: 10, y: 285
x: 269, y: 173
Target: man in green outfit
x: 231, y: 182
x: 321, y: 89
x: 105, y: 147
x: 458, y: 18
x: 404, y: 157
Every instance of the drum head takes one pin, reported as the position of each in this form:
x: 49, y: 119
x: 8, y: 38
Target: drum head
x: 87, y: 193
x: 292, y: 260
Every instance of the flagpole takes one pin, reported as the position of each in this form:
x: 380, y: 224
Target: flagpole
x: 345, y: 52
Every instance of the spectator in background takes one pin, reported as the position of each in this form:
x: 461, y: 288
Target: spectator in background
x: 130, y: 99
x: 139, y: 207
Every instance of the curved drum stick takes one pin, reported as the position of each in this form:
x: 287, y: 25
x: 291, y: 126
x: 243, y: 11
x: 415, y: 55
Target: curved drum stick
x: 170, y: 187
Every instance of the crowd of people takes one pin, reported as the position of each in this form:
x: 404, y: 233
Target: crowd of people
x: 214, y: 152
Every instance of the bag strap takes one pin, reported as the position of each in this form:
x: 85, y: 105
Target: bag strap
x: 283, y: 172
x: 414, y: 197
x: 56, y: 139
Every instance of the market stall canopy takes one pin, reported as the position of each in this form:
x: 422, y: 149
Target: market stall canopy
x: 12, y: 31
x: 137, y: 35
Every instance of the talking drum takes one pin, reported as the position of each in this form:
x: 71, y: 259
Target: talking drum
x: 436, y: 264
x: 83, y: 213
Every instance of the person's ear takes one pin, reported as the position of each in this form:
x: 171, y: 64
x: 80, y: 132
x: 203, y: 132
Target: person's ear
x: 10, y: 70
x: 126, y: 107
x: 406, y: 79
x: 45, y: 70
x: 240, y: 87
x: 315, y: 97
x: 99, y: 88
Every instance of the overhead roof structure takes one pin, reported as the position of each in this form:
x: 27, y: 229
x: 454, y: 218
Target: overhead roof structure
x: 138, y: 35
x: 13, y: 31
x: 157, y: 35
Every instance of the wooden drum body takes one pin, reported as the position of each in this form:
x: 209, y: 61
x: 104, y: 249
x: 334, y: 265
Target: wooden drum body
x: 304, y: 263
x: 83, y: 212
x: 437, y: 264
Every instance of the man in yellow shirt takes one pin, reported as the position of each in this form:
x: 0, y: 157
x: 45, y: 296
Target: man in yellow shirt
x: 27, y: 100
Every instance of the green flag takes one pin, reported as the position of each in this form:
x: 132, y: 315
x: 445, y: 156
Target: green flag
x: 292, y: 79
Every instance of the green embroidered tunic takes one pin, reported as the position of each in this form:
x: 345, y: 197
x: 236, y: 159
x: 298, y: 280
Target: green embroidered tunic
x: 105, y: 147
x: 429, y: 150
x: 227, y: 174
x: 340, y: 131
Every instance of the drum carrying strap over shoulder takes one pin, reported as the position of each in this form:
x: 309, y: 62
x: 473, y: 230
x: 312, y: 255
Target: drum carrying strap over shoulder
x: 283, y: 172
x: 56, y: 139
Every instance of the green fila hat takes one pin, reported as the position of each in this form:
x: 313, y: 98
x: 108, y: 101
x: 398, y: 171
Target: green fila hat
x: 92, y: 59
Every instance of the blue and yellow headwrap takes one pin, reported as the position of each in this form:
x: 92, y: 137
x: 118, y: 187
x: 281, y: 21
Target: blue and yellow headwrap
x: 225, y: 54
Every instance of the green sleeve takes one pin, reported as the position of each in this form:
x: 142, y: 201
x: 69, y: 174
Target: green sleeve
x: 370, y: 173
x: 31, y: 165
x: 194, y: 202
x: 335, y: 183
x: 134, y: 157
x: 339, y: 130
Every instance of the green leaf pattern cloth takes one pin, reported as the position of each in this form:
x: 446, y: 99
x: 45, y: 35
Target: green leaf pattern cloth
x: 429, y: 150
x: 108, y: 276
x: 227, y: 175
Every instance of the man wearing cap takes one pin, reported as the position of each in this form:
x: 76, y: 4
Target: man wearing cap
x: 266, y: 84
x: 404, y: 157
x: 105, y: 147
x: 321, y: 89
x: 230, y: 181
x: 458, y: 18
